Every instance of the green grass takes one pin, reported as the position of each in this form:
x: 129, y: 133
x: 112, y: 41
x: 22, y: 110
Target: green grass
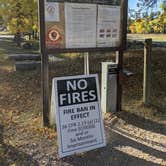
x: 9, y: 47
x: 4, y: 61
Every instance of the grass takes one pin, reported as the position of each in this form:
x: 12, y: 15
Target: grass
x: 155, y: 37
x: 20, y: 101
x: 133, y: 60
x: 9, y: 47
x: 5, y: 63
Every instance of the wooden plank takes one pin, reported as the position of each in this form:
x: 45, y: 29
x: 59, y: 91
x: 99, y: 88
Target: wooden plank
x: 75, y: 50
x: 147, y: 71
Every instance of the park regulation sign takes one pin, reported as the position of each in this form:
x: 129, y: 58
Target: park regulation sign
x: 76, y: 103
x: 82, y: 25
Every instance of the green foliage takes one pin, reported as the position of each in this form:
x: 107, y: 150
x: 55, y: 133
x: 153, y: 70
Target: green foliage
x: 1, y: 20
x: 19, y: 15
x: 155, y: 22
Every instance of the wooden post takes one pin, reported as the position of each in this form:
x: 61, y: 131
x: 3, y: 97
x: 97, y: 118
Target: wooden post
x: 124, y: 16
x: 119, y: 54
x: 147, y: 71
x: 45, y: 90
x: 119, y: 61
x: 44, y: 68
x: 86, y: 63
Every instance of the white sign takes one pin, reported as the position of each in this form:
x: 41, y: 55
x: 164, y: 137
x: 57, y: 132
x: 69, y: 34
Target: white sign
x: 79, y: 121
x: 80, y: 21
x: 52, y: 11
x: 108, y: 27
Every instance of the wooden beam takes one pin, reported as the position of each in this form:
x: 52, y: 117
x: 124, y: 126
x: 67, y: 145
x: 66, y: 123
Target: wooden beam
x: 119, y: 54
x: 44, y: 67
x: 119, y: 61
x: 124, y: 16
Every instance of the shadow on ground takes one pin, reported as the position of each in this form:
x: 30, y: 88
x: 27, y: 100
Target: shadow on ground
x: 114, y: 155
x: 142, y: 123
x: 10, y: 155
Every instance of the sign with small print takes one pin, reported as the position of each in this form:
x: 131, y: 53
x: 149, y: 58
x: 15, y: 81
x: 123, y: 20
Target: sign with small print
x: 76, y: 103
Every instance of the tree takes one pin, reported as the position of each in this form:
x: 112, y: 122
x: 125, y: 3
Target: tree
x: 20, y: 15
x: 1, y: 21
x: 146, y: 4
x: 148, y: 22
x: 163, y: 16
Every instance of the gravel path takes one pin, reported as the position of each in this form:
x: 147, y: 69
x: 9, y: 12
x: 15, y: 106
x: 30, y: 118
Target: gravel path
x: 131, y: 141
x: 137, y: 141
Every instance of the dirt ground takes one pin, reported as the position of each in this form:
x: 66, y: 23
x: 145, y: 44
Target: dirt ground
x: 135, y: 136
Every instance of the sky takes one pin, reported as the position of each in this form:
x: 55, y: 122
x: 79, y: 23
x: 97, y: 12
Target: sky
x: 133, y: 4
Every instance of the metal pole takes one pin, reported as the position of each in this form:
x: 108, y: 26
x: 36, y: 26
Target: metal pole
x: 86, y: 63
x: 147, y: 71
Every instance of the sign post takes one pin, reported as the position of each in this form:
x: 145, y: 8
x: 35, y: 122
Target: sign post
x: 76, y: 102
x: 147, y: 71
x: 44, y: 68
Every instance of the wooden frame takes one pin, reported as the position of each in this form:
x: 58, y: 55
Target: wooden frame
x: 44, y: 54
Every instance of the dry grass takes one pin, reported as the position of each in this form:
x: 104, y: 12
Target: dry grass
x: 142, y: 37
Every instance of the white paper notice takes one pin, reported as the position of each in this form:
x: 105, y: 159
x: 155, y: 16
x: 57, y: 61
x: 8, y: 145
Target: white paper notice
x: 51, y: 12
x: 108, y: 26
x: 80, y: 25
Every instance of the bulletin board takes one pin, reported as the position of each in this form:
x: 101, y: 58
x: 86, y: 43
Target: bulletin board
x: 79, y: 26
x: 82, y: 26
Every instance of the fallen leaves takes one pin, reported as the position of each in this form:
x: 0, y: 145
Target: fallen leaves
x: 20, y: 105
x: 47, y: 132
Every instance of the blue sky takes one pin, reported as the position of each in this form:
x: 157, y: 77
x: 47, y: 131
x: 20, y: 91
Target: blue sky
x: 133, y: 4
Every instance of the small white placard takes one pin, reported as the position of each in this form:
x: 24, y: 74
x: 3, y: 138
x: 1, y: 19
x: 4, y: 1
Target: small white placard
x: 76, y: 103
x: 52, y: 12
